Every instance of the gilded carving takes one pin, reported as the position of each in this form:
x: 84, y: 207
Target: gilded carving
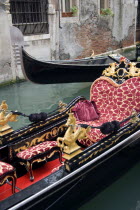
x: 120, y: 73
x: 40, y: 139
x: 135, y: 118
x: 5, y: 118
x: 36, y: 126
x: 68, y: 143
x: 133, y: 70
x: 61, y: 106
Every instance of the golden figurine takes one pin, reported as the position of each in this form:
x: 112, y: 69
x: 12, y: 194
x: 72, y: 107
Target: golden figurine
x: 4, y: 106
x: 5, y: 118
x: 133, y: 70
x: 62, y: 106
x: 135, y: 118
x: 110, y: 71
x: 130, y: 71
x: 74, y: 132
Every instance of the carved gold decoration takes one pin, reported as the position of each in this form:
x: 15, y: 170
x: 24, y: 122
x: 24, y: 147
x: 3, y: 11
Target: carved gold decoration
x: 3, y: 106
x: 133, y: 70
x: 135, y: 118
x: 62, y: 106
x: 110, y: 71
x: 119, y: 73
x: 5, y: 118
x: 68, y: 143
x: 39, y: 139
x: 36, y: 126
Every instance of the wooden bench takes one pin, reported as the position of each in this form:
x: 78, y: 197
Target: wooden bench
x: 38, y: 153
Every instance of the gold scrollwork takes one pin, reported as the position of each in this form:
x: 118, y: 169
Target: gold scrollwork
x: 35, y: 127
x: 130, y: 70
x: 62, y: 106
x: 50, y: 134
x: 135, y: 118
x: 5, y: 118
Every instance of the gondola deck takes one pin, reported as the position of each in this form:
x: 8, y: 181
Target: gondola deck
x: 24, y: 182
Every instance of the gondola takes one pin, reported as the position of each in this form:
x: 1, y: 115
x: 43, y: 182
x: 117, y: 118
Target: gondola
x: 65, y: 71
x: 73, y: 146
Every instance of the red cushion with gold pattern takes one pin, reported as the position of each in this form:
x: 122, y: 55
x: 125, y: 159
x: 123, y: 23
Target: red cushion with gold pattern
x: 5, y: 167
x: 35, y: 150
x: 116, y: 102
x: 113, y: 101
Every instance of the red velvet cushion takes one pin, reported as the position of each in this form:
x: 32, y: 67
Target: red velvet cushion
x: 35, y: 150
x: 5, y: 167
x: 85, y: 111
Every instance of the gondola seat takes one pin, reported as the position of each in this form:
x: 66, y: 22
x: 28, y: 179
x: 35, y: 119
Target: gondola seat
x: 38, y: 153
x: 113, y: 102
x: 7, y: 171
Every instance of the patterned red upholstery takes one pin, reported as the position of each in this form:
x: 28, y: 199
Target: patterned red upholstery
x: 7, y: 172
x: 35, y: 150
x: 113, y: 101
x: 5, y: 167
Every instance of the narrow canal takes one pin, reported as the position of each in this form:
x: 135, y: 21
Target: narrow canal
x: 123, y: 193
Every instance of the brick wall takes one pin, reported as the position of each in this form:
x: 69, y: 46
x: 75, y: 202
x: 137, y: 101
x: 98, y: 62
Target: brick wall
x: 95, y: 32
x: 99, y: 39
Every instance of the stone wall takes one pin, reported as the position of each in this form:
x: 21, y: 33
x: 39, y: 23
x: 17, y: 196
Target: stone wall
x: 91, y: 31
x: 42, y: 47
x: 5, y: 46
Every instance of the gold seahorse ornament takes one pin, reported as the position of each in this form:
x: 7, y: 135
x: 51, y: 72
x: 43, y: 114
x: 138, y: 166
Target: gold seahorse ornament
x: 5, y: 118
x: 68, y: 143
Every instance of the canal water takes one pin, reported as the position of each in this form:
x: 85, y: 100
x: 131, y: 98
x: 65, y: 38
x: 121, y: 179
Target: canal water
x: 26, y: 97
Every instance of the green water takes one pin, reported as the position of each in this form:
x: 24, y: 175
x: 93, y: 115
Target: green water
x: 123, y: 194
x: 30, y: 98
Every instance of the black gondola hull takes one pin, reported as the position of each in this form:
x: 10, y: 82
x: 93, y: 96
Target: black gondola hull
x: 52, y: 72
x: 48, y: 190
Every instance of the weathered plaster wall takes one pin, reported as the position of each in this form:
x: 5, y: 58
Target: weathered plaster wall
x: 42, y: 47
x: 91, y: 31
x: 124, y: 19
x: 5, y: 46
x: 38, y: 46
